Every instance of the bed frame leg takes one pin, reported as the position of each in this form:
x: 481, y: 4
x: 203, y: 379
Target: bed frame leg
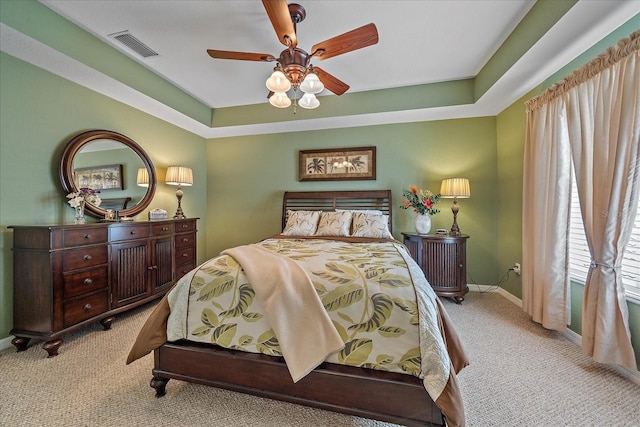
x: 160, y: 385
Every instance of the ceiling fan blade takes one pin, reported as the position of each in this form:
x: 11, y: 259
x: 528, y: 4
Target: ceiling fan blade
x: 330, y: 82
x: 364, y: 36
x: 243, y: 56
x: 280, y: 18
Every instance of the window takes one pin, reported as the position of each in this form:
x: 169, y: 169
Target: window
x: 580, y: 259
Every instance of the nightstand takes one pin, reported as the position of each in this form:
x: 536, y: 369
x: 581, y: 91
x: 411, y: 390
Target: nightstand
x: 443, y: 260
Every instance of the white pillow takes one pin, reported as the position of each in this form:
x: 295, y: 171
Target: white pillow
x: 366, y: 225
x: 334, y: 224
x: 301, y: 223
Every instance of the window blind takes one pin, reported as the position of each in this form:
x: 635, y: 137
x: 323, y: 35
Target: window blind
x: 580, y: 259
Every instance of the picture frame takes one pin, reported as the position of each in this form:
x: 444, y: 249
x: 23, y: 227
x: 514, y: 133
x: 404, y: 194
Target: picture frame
x: 103, y: 178
x: 337, y: 164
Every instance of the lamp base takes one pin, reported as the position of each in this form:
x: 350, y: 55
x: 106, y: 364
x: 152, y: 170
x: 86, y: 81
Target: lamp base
x: 455, y: 230
x: 179, y: 214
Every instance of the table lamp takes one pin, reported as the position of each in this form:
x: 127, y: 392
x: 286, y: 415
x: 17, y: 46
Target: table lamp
x: 454, y: 188
x: 179, y: 175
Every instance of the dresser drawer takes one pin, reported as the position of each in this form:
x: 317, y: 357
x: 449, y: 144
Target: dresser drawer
x: 79, y: 309
x: 85, y: 281
x: 162, y: 229
x: 185, y: 226
x: 184, y: 255
x: 85, y: 257
x: 129, y: 232
x: 183, y: 269
x: 185, y: 240
x: 85, y: 236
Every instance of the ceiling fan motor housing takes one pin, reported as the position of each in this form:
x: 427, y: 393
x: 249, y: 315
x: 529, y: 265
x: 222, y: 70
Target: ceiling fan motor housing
x: 294, y: 63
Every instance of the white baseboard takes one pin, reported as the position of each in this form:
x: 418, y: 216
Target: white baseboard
x: 633, y: 376
x: 5, y: 343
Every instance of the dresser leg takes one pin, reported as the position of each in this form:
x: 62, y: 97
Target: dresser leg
x: 20, y: 343
x: 106, y: 323
x: 160, y: 385
x: 52, y: 347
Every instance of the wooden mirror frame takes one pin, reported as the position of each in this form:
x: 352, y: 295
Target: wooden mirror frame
x: 78, y: 142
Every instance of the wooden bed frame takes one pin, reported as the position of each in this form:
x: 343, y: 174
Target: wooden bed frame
x: 367, y: 393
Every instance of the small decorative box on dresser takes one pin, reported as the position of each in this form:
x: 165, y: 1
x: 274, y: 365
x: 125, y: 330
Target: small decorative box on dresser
x: 443, y: 260
x: 67, y: 276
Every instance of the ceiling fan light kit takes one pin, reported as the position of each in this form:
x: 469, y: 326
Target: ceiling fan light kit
x: 279, y: 100
x: 309, y: 101
x: 294, y: 69
x: 278, y: 82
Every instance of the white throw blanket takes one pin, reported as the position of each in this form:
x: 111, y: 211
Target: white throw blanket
x: 304, y: 330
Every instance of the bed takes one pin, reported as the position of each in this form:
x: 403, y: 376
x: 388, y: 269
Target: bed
x: 378, y: 384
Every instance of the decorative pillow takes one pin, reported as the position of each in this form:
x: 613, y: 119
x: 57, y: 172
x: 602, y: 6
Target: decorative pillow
x: 301, y: 223
x: 334, y: 224
x: 367, y: 225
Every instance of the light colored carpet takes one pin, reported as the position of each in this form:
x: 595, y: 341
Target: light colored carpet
x: 521, y: 375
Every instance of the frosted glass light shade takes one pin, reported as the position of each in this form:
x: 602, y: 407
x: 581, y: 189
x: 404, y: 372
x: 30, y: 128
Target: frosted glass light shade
x: 309, y: 101
x: 142, y: 179
x: 278, y: 82
x: 455, y: 187
x: 280, y: 100
x: 179, y: 175
x: 311, y: 84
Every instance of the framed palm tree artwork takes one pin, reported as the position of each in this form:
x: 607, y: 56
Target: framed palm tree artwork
x: 108, y: 177
x: 337, y: 164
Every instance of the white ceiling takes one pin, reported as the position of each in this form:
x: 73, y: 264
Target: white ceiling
x: 421, y: 42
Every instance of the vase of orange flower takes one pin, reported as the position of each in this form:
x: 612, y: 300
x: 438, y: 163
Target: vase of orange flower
x: 423, y: 204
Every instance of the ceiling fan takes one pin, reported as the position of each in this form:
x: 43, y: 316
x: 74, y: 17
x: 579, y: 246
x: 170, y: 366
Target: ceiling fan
x: 294, y: 68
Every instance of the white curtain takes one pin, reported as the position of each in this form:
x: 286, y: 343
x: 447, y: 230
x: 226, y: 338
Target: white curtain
x: 596, y: 120
x: 604, y: 132
x: 545, y: 212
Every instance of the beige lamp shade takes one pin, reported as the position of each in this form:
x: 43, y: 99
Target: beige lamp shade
x: 455, y: 187
x: 143, y: 177
x: 179, y: 175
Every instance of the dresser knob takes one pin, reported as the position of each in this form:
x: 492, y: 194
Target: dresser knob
x: 88, y: 281
x: 185, y: 255
x: 87, y: 257
x: 132, y: 232
x: 185, y: 226
x: 184, y: 239
x: 87, y: 307
x: 165, y: 228
x: 87, y: 236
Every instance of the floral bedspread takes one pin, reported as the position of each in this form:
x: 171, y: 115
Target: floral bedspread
x: 375, y: 294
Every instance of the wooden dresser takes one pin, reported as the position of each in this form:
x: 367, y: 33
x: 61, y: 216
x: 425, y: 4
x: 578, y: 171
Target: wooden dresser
x: 443, y: 260
x: 66, y: 276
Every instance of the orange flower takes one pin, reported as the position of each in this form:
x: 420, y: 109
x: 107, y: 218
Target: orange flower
x: 414, y: 189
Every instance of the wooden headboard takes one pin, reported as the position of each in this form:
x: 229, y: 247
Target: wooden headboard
x: 332, y: 200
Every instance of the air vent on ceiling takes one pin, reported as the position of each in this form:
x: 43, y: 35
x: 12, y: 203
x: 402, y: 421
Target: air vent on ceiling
x: 134, y: 44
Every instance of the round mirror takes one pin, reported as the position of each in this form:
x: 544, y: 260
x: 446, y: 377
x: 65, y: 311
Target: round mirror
x: 112, y: 164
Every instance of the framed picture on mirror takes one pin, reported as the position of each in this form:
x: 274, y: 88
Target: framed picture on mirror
x: 103, y: 178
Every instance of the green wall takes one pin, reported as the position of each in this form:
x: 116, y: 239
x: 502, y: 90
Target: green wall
x: 247, y: 176
x: 41, y: 112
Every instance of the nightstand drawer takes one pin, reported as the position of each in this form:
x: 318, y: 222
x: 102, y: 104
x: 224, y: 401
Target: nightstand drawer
x: 86, y: 257
x: 85, y: 281
x: 77, y: 310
